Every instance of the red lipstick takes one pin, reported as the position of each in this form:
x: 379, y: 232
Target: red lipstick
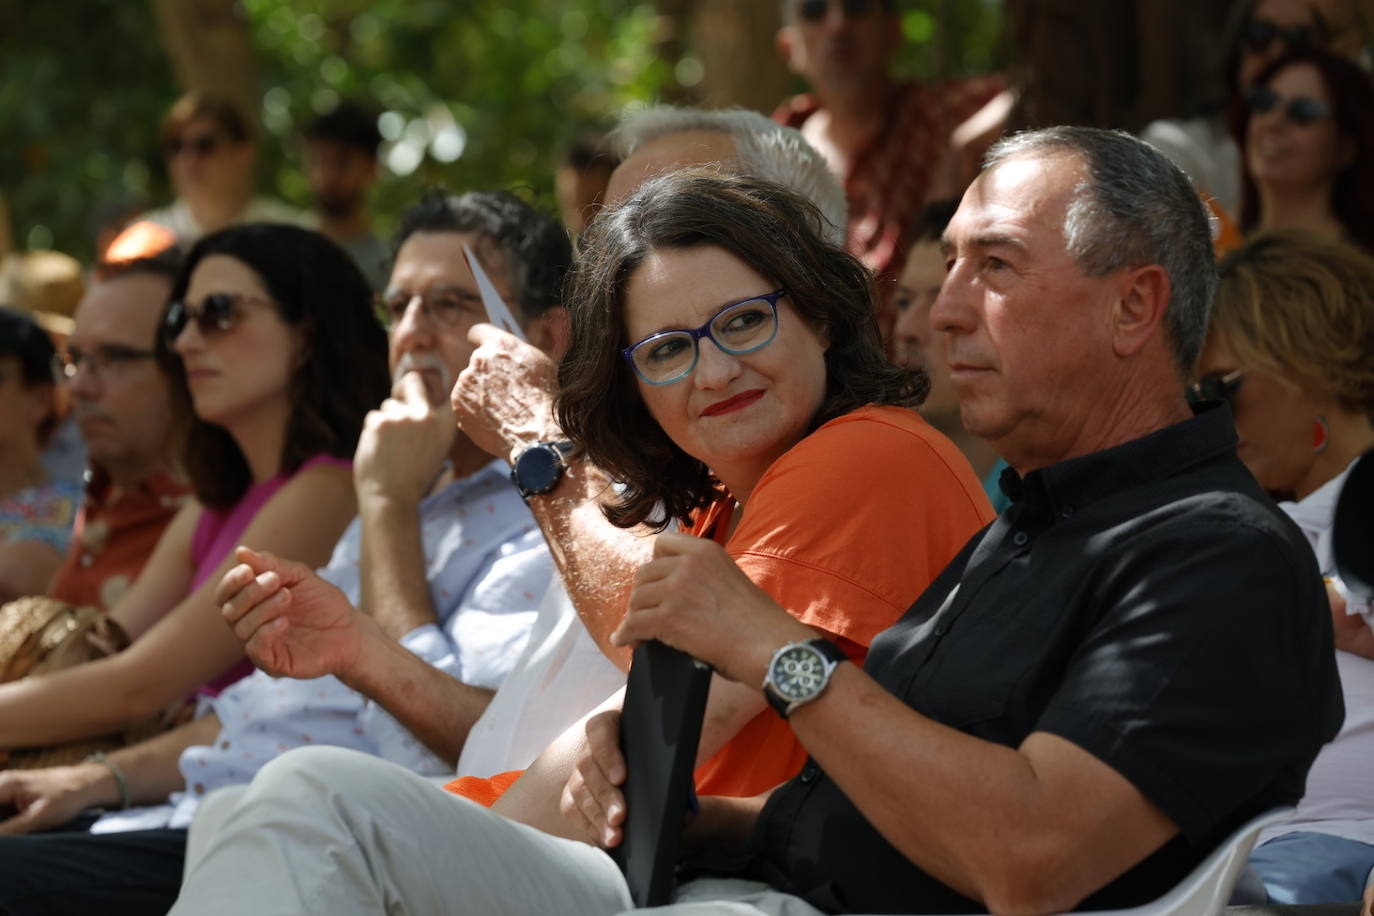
x: 739, y: 401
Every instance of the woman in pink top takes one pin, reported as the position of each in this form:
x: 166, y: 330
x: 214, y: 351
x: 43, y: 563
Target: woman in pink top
x: 274, y: 358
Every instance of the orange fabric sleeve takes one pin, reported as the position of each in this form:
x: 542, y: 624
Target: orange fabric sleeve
x: 483, y: 791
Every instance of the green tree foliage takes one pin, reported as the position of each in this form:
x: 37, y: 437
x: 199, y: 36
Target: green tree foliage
x: 485, y: 93
x: 82, y: 89
x: 482, y: 93
x: 475, y: 93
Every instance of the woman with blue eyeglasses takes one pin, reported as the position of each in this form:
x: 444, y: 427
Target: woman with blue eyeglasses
x: 726, y: 370
x: 1306, y: 132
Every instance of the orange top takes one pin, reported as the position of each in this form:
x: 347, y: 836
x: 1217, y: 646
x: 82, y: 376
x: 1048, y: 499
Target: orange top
x: 845, y: 530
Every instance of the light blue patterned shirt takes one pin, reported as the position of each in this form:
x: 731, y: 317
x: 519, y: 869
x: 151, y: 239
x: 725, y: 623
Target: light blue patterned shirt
x: 487, y: 567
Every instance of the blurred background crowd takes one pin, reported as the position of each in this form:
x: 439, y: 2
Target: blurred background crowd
x: 135, y: 130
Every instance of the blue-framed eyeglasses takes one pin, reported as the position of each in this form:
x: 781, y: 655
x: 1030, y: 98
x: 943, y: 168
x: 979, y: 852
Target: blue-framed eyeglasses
x: 739, y: 328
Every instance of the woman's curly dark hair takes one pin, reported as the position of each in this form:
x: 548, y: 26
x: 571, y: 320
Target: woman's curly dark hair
x: 316, y: 287
x: 778, y: 234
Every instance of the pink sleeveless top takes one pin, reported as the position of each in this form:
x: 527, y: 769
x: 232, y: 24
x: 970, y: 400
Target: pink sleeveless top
x: 218, y: 532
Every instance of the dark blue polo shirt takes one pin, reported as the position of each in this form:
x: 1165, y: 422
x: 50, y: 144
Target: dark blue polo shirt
x: 1147, y: 603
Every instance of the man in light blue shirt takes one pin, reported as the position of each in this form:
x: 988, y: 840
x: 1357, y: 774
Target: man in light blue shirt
x: 444, y: 562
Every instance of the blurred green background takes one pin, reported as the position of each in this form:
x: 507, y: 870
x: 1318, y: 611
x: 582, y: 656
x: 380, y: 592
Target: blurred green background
x: 482, y: 93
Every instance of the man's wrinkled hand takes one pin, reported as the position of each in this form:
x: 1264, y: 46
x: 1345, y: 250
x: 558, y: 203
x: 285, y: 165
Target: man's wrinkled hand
x: 403, y: 443
x: 503, y: 400
x: 292, y: 623
x: 693, y: 597
x: 592, y: 801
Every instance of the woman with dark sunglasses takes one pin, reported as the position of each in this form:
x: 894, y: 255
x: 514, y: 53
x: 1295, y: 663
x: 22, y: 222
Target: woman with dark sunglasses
x: 36, y: 512
x: 1256, y: 34
x: 274, y: 358
x: 1290, y: 347
x: 1306, y: 132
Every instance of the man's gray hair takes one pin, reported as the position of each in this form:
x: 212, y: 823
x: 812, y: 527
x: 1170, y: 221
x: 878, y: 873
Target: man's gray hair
x: 1133, y: 208
x: 763, y: 147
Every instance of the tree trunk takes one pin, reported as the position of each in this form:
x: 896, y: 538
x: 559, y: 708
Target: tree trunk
x: 1120, y: 64
x: 211, y: 50
x: 736, y: 45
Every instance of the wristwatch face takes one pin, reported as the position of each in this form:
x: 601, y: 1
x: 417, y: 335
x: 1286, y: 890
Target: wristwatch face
x: 537, y: 469
x: 798, y: 673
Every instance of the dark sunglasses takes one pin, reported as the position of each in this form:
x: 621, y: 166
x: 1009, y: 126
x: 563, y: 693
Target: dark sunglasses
x: 203, y: 145
x: 217, y: 313
x: 1300, y: 109
x: 815, y: 10
x: 1216, y: 386
x: 1259, y: 34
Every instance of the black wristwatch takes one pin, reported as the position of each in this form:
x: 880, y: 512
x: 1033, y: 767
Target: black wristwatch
x: 538, y: 468
x: 799, y: 672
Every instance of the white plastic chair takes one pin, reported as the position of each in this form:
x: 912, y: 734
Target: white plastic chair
x: 1208, y: 887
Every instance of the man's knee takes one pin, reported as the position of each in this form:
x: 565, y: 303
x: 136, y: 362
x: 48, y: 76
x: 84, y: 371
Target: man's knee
x: 330, y: 783
x: 309, y: 772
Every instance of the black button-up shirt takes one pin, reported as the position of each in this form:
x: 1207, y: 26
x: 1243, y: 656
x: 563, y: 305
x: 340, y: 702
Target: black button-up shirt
x: 1147, y: 603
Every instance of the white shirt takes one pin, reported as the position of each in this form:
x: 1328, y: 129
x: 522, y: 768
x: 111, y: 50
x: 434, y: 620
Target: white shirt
x: 1340, y: 785
x: 560, y: 677
x: 487, y: 566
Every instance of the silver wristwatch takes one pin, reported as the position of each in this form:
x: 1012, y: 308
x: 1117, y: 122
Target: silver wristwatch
x: 799, y: 672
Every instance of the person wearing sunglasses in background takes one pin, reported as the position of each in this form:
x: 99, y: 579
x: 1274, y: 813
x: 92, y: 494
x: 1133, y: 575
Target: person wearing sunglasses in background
x: 888, y: 142
x: 273, y: 356
x: 36, y: 511
x: 210, y: 152
x: 1290, y: 344
x: 1258, y: 33
x: 436, y: 579
x: 1307, y: 139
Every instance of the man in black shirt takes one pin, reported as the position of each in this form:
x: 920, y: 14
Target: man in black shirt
x: 1126, y: 665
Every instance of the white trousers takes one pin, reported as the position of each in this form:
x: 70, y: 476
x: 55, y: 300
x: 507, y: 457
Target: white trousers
x: 332, y: 831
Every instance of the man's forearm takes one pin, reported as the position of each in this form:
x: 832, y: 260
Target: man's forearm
x: 596, y: 559
x: 436, y: 708
x: 394, y: 590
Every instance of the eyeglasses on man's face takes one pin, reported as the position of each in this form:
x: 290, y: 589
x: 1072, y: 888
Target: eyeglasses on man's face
x: 217, y: 314
x: 107, y: 361
x: 445, y: 306
x: 1217, y: 386
x: 1300, y: 109
x: 739, y: 328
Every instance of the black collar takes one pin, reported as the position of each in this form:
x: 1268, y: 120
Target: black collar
x: 1072, y: 484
